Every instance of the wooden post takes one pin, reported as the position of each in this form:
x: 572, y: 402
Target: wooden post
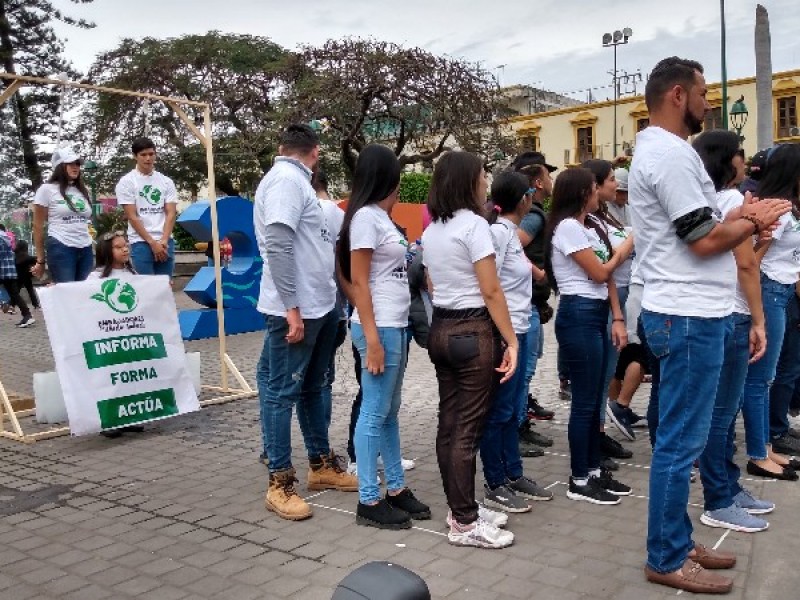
x: 212, y: 200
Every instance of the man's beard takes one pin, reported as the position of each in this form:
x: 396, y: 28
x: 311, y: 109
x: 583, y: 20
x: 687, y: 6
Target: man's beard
x: 694, y: 124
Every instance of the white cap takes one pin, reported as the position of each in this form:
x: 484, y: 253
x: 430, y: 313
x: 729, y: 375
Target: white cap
x: 65, y: 156
x: 621, y: 176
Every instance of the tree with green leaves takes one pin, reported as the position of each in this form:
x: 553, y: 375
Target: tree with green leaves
x: 420, y: 104
x: 29, y: 46
x: 240, y: 76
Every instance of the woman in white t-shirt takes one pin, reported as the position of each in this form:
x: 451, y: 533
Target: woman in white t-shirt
x: 780, y: 267
x: 372, y: 264
x: 63, y: 202
x: 470, y: 322
x: 613, y: 234
x: 506, y: 487
x: 580, y: 267
x: 726, y: 503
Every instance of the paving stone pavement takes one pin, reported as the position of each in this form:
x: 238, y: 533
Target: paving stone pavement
x: 177, y: 511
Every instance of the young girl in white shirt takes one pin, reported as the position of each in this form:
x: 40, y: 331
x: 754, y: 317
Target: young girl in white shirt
x: 372, y: 264
x: 470, y: 322
x: 581, y: 269
x: 506, y: 487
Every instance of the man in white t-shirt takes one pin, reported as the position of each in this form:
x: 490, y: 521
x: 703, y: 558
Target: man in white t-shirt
x: 298, y: 297
x: 149, y: 199
x: 689, y: 275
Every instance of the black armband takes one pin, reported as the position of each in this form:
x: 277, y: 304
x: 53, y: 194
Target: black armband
x: 695, y: 225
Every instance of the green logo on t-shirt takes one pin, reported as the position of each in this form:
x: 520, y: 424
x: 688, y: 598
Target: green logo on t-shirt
x: 151, y: 193
x: 602, y: 255
x: 78, y: 202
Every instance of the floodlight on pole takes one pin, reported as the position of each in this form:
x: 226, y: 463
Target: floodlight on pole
x: 613, y: 40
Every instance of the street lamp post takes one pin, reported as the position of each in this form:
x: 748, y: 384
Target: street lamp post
x: 739, y: 115
x: 91, y: 168
x: 616, y: 39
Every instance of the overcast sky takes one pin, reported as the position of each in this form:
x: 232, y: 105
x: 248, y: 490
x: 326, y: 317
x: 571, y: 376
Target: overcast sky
x: 552, y: 44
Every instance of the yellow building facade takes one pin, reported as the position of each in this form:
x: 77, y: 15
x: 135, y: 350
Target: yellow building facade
x: 568, y: 136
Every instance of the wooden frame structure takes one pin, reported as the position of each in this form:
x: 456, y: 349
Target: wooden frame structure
x: 204, y: 137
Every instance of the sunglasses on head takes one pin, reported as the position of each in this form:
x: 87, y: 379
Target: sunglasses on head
x: 112, y: 234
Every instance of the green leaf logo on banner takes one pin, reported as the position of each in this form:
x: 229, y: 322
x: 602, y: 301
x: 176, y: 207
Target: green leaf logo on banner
x: 118, y: 295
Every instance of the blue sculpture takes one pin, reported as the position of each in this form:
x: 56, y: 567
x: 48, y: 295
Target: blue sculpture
x: 241, y: 277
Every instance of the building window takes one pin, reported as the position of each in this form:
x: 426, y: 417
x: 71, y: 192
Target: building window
x: 585, y: 147
x: 642, y: 124
x: 787, y: 116
x: 713, y: 119
x: 529, y: 143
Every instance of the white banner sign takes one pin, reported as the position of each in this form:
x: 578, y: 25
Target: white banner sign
x: 118, y: 351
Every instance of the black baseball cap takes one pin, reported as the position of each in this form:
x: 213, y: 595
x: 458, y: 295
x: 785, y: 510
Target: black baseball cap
x: 531, y: 158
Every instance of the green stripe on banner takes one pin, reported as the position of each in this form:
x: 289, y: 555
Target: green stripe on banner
x: 126, y: 410
x: 124, y: 349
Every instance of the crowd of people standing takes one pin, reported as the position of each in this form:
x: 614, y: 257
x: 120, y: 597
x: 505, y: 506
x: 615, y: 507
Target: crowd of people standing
x: 662, y: 269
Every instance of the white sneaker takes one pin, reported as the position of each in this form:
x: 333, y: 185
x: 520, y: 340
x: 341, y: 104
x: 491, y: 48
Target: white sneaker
x: 493, y: 517
x: 480, y: 535
x: 406, y: 463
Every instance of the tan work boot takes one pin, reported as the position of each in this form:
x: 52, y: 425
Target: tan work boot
x: 282, y: 498
x: 327, y: 474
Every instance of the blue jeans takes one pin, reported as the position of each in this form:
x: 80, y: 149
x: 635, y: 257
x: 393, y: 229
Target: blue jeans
x: 67, y: 263
x: 718, y: 471
x: 145, y: 263
x: 689, y: 351
x: 330, y: 373
x: 535, y: 347
x: 289, y: 375
x: 378, y: 429
x: 500, y: 441
x: 755, y: 407
x: 583, y: 339
x: 787, y: 373
x: 614, y: 355
x: 655, y: 374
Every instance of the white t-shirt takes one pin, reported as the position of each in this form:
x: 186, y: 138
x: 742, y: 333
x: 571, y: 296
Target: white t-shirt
x: 781, y: 262
x: 726, y: 201
x: 450, y: 251
x: 285, y: 196
x: 70, y: 227
x: 371, y: 228
x: 150, y: 194
x: 667, y: 181
x: 617, y: 236
x: 569, y: 237
x: 514, y: 271
x: 334, y: 217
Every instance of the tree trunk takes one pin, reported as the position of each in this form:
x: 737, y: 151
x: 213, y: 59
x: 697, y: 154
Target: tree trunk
x: 24, y: 130
x: 763, y: 43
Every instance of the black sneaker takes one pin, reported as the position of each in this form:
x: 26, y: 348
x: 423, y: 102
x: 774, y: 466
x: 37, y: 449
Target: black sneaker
x: 619, y: 415
x: 406, y: 501
x: 612, y: 448
x: 527, y: 434
x: 383, y: 516
x: 528, y: 488
x: 537, y: 411
x: 591, y: 492
x: 786, y: 444
x: 564, y: 389
x: 609, y: 464
x: 611, y: 485
x: 26, y: 322
x: 527, y: 450
x: 636, y: 420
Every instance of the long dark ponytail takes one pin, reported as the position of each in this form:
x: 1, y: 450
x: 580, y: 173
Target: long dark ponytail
x: 377, y: 175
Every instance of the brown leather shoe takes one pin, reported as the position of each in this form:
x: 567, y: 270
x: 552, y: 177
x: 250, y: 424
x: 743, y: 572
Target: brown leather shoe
x: 692, y: 577
x: 712, y: 559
